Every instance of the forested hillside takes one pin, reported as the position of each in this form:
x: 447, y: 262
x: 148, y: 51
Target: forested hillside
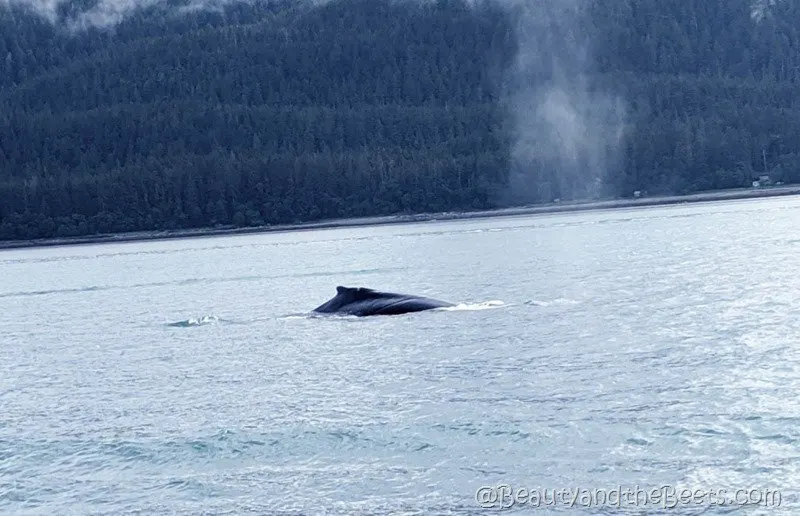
x: 278, y: 112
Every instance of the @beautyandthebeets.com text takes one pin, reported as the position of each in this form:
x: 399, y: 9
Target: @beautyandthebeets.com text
x: 504, y: 496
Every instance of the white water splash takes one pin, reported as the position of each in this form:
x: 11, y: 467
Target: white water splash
x: 202, y: 321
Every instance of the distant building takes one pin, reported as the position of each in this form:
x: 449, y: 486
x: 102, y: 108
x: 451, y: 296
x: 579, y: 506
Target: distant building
x: 762, y: 181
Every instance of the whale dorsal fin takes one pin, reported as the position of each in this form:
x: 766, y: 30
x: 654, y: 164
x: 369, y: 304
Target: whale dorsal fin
x: 354, y: 291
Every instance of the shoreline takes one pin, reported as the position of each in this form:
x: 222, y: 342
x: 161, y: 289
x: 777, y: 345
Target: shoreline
x: 140, y: 236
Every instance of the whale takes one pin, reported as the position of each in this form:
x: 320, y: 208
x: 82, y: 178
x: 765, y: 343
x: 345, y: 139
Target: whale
x: 362, y: 302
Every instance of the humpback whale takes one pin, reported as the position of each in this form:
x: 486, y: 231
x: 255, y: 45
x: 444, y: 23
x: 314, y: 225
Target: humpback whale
x: 365, y: 301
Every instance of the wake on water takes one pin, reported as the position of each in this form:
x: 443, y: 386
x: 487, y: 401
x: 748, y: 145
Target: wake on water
x: 211, y: 319
x: 460, y: 307
x: 468, y: 307
x: 555, y: 302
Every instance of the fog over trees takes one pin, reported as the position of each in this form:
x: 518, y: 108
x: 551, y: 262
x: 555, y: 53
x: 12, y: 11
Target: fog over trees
x: 119, y: 117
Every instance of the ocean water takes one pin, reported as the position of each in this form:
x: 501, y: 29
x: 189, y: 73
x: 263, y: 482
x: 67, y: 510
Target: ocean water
x: 654, y: 348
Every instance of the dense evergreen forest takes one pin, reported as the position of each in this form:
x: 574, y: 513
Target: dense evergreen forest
x: 273, y: 112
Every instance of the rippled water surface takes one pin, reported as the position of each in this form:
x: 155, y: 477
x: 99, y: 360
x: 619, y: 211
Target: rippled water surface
x: 655, y: 346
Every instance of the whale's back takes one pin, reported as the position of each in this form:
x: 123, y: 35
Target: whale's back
x: 362, y: 301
